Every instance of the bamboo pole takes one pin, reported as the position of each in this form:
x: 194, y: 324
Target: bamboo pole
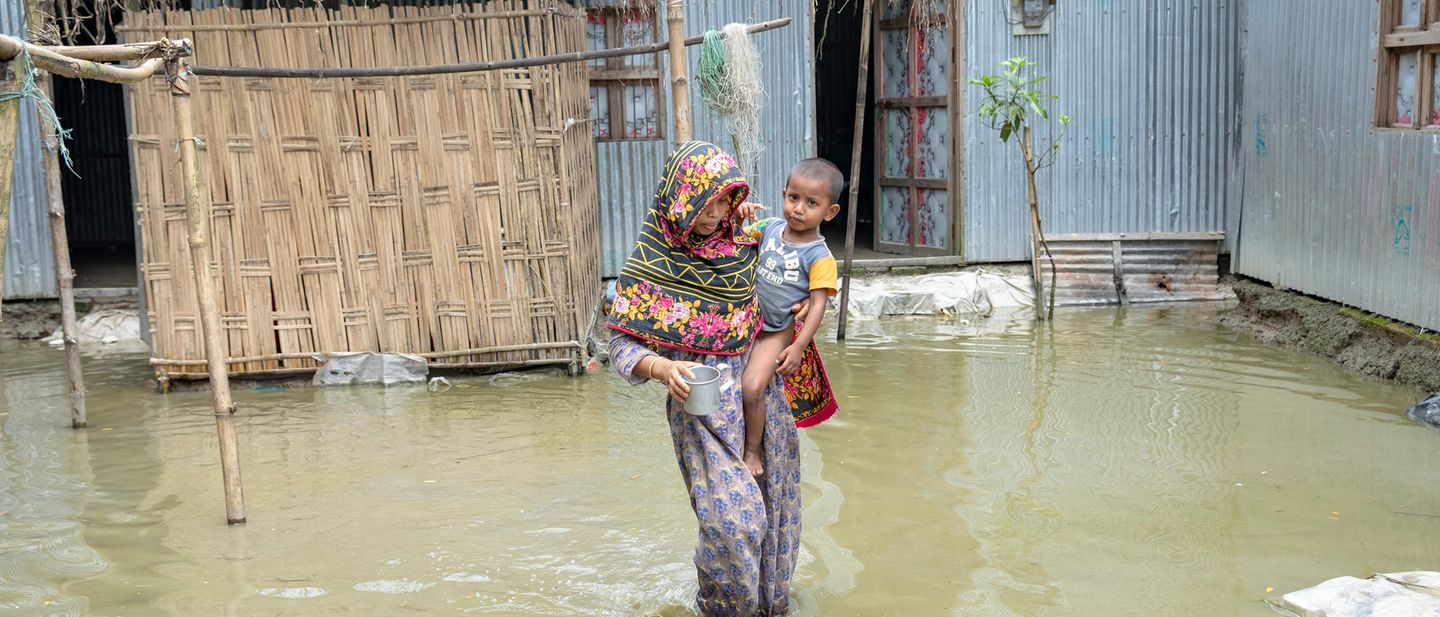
x: 58, y: 64
x: 340, y: 23
x: 9, y: 123
x: 124, y: 52
x: 59, y: 237
x: 862, y: 84
x: 310, y: 355
x: 197, y: 208
x: 465, y: 67
x: 679, y: 82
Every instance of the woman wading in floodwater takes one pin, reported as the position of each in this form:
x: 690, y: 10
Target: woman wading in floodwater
x: 685, y: 298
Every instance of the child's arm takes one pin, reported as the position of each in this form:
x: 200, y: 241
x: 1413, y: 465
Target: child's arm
x: 823, y: 284
x: 755, y: 229
x: 789, y: 359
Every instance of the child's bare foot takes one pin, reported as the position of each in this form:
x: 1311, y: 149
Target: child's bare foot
x: 752, y: 462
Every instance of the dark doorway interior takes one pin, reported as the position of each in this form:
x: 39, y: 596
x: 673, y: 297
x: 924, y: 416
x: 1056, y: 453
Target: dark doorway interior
x: 837, y: 67
x: 99, y: 207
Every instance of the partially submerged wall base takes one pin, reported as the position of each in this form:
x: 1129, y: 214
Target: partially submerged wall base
x: 1359, y: 341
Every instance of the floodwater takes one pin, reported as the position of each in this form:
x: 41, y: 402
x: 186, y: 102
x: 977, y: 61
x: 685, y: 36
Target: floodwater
x: 1119, y: 462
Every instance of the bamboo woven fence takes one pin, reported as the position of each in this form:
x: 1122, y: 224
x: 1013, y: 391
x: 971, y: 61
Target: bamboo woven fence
x: 449, y: 216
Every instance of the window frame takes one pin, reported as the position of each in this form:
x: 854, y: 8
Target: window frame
x: 616, y: 75
x: 1396, y: 40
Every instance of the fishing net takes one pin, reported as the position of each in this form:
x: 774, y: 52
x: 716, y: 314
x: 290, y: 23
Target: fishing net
x: 729, y: 77
x: 30, y: 90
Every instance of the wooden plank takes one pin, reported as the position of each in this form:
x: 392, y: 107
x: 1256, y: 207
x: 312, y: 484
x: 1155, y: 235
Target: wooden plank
x: 1162, y: 236
x: 1118, y: 263
x: 958, y: 151
x: 624, y: 74
x: 877, y: 85
x: 891, y: 262
x: 911, y: 101
x: 908, y: 21
x: 1411, y: 38
x: 1425, y: 99
x: 914, y: 183
x: 619, y: 111
x: 1386, y: 64
x: 261, y: 26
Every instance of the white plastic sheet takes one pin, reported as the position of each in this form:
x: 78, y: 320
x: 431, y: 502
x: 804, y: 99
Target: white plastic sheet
x: 1405, y: 594
x: 949, y: 293
x: 1427, y: 412
x: 343, y: 369
x: 106, y: 327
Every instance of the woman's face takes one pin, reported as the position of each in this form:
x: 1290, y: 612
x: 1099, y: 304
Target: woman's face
x: 710, y: 218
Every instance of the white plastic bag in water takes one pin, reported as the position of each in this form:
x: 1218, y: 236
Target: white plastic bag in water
x: 343, y: 369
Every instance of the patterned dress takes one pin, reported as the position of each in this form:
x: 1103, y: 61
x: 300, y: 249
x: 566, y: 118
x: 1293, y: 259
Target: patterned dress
x: 749, y: 531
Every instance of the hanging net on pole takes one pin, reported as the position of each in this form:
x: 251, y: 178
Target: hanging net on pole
x: 729, y: 77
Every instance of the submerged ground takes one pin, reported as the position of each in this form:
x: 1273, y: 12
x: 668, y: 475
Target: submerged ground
x: 1142, y: 461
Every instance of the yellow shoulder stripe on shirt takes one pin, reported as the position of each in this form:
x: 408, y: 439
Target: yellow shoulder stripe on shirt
x: 823, y: 275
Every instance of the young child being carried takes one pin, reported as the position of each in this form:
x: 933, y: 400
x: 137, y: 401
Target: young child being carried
x: 794, y: 265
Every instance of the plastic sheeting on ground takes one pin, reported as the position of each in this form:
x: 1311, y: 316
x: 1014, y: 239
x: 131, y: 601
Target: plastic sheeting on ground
x: 949, y: 293
x: 1406, y: 594
x: 343, y: 369
x: 1427, y: 412
x: 107, y: 327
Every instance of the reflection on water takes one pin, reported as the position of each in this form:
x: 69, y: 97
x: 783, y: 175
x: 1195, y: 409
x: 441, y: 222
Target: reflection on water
x: 1114, y: 462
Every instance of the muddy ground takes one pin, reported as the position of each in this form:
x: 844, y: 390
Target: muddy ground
x: 30, y: 319
x: 1359, y: 341
x: 37, y: 319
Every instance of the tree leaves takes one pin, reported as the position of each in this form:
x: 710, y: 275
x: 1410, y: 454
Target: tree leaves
x: 1010, y: 99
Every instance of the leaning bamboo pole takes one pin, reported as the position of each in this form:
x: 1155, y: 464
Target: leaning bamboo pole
x: 59, y: 237
x: 122, y: 52
x: 862, y: 84
x: 47, y: 60
x: 679, y: 82
x: 197, y: 209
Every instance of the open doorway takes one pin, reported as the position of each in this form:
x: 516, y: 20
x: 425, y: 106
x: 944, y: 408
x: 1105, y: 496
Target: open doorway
x: 837, y: 67
x: 99, y: 205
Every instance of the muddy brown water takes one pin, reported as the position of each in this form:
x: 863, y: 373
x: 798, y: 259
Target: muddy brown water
x: 1121, y: 462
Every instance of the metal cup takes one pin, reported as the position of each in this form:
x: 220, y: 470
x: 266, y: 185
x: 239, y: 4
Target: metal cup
x: 705, y: 389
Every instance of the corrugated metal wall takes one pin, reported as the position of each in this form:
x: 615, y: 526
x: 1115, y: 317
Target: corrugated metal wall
x: 1152, y: 86
x: 1327, y: 199
x: 629, y: 169
x: 29, y: 262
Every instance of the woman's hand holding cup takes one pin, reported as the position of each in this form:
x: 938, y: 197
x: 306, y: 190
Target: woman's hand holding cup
x: 673, y: 373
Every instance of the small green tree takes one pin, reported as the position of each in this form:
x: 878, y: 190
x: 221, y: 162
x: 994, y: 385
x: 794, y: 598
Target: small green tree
x: 1011, y: 103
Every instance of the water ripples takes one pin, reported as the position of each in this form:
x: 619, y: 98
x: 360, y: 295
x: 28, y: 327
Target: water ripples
x: 1138, y: 461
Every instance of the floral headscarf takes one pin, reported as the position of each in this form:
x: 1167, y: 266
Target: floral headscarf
x: 684, y: 291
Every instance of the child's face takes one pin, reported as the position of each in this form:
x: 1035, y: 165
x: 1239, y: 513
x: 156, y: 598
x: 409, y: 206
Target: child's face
x: 710, y: 218
x: 808, y: 203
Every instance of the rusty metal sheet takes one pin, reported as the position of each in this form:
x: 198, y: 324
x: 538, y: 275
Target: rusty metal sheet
x: 1144, y: 267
